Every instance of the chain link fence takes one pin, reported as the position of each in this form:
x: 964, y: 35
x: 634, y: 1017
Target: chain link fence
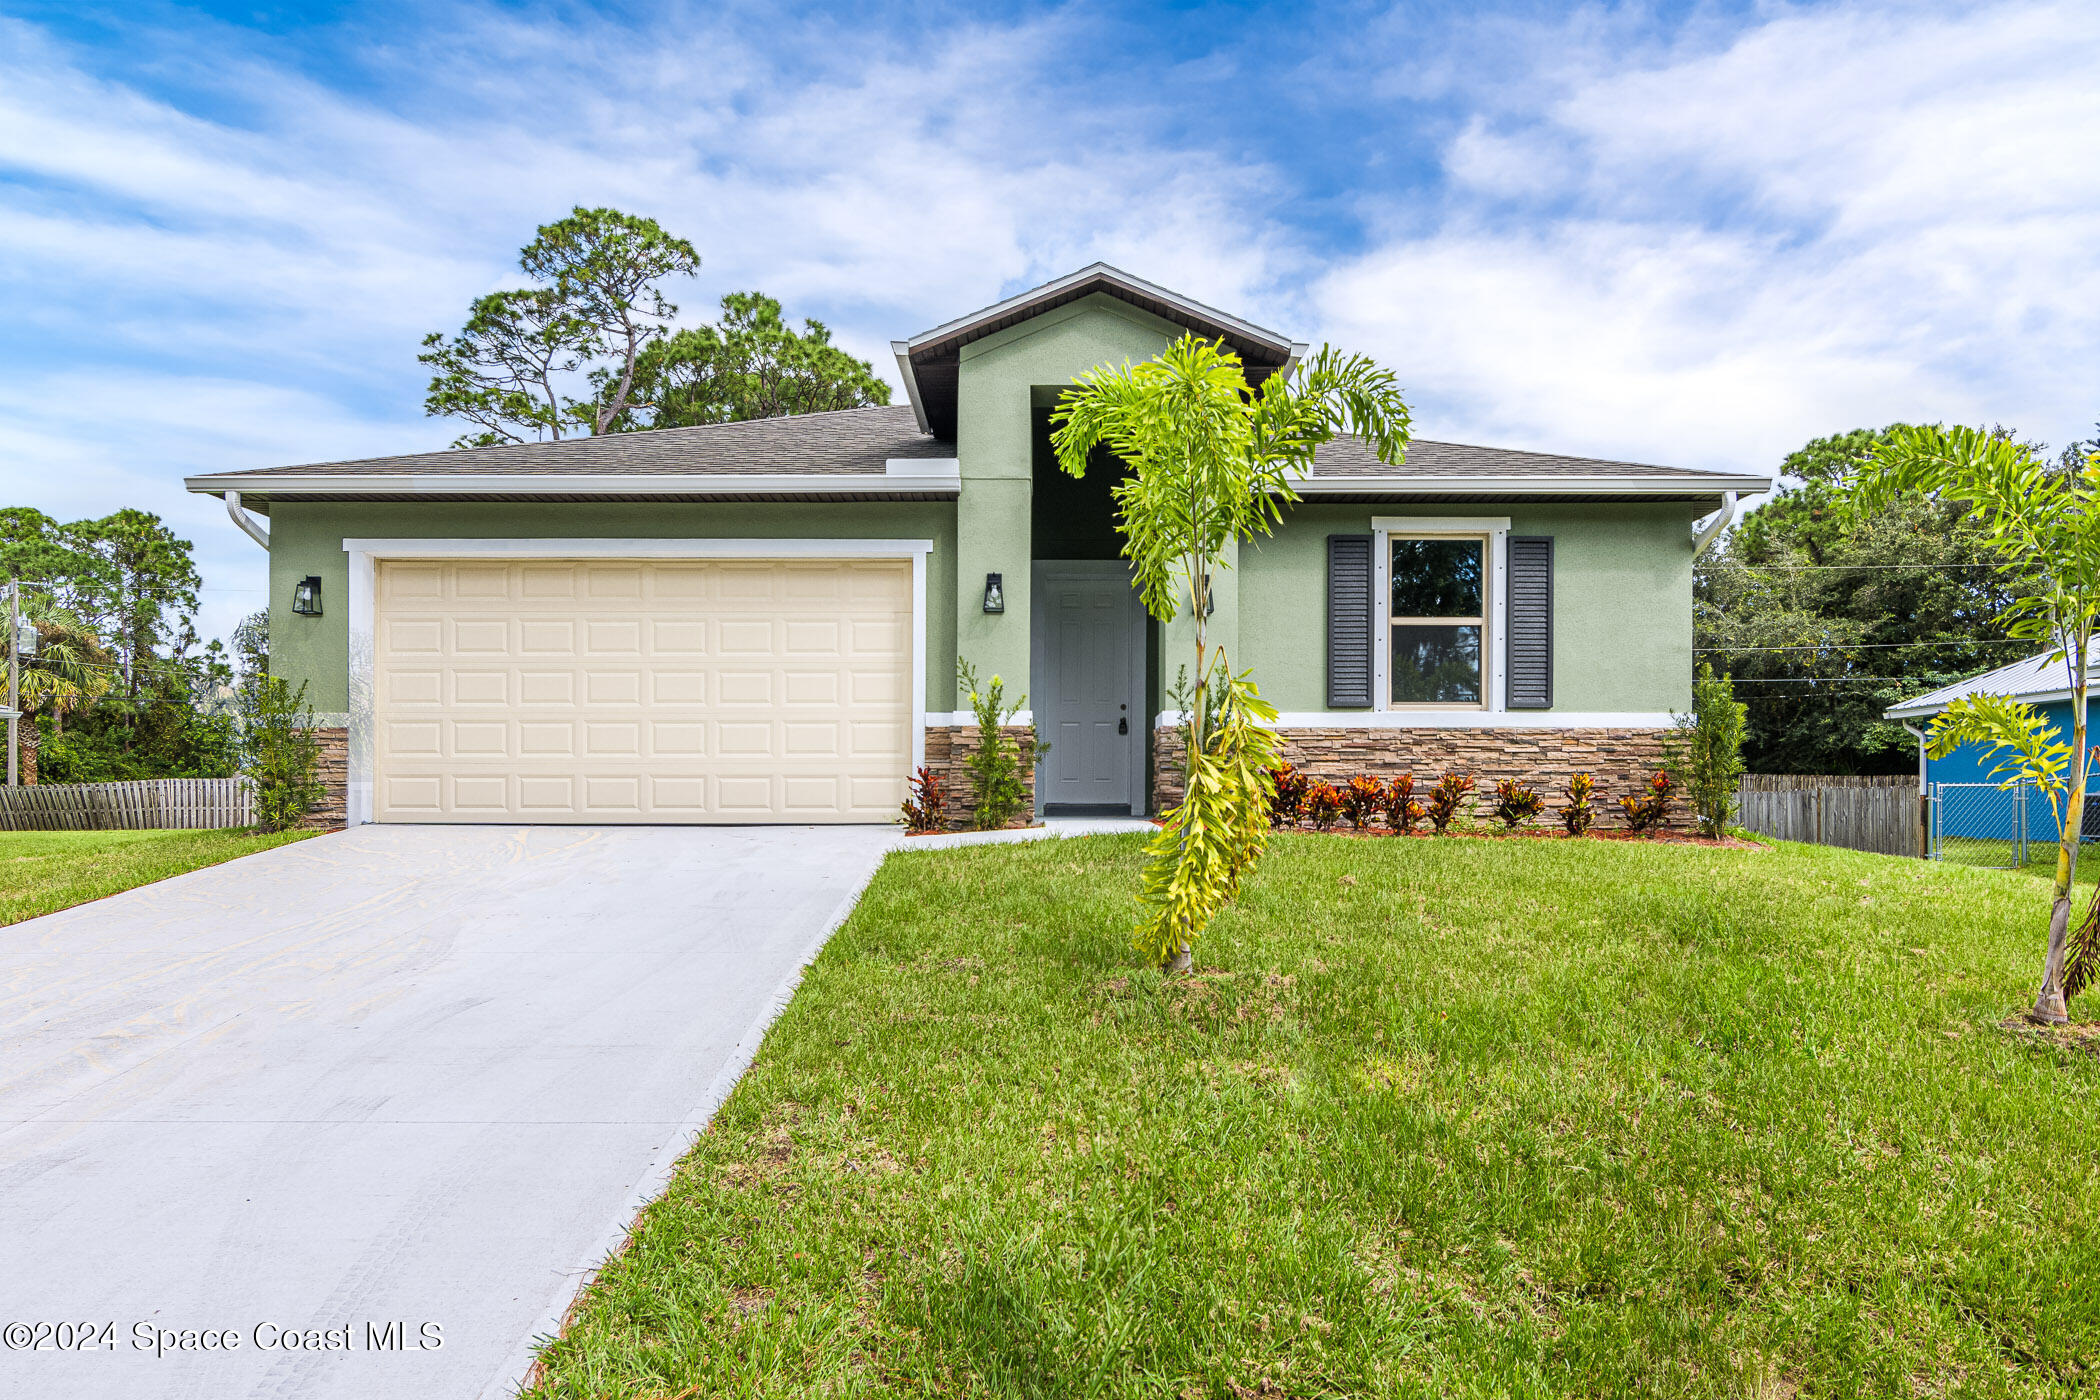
x: 2001, y: 828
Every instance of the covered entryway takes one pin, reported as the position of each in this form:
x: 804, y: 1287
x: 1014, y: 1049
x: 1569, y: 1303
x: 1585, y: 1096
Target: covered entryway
x: 1089, y: 682
x: 609, y: 690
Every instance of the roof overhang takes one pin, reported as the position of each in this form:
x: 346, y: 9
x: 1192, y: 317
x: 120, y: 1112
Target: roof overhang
x: 1686, y: 487
x: 943, y: 481
x: 1926, y: 708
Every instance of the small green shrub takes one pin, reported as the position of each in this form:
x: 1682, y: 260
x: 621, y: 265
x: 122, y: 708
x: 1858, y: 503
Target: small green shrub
x: 996, y: 767
x: 926, y: 808
x: 1650, y: 807
x: 1515, y: 804
x: 1577, y: 816
x: 1323, y: 803
x: 1287, y: 796
x: 1709, y: 750
x: 1363, y: 796
x: 1445, y: 797
x: 280, y: 753
x: 1402, y: 811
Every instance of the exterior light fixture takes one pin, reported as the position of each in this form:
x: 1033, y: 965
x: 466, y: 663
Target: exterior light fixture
x: 306, y: 598
x: 995, y: 593
x: 1210, y: 599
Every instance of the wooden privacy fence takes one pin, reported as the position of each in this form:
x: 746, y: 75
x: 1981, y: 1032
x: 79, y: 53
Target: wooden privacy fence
x: 197, y: 804
x: 1879, y: 814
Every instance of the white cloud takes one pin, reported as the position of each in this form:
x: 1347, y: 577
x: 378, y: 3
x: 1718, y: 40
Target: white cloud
x: 1705, y: 256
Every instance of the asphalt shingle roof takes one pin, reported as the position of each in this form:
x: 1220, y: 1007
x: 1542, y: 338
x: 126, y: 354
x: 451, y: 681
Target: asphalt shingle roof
x: 1348, y: 456
x: 851, y: 441
x: 860, y: 441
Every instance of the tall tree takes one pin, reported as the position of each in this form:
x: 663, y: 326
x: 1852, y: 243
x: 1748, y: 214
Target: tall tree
x: 597, y: 308
x: 1827, y: 615
x: 2046, y: 524
x: 749, y: 364
x: 1210, y: 465
x: 142, y: 592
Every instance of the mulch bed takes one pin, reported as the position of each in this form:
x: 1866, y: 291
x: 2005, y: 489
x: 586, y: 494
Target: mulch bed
x: 1664, y: 838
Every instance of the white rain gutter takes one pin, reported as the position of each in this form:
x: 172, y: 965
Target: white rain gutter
x: 250, y: 526
x: 1703, y: 539
x: 1916, y: 733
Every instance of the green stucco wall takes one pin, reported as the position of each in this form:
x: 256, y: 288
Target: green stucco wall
x: 1622, y: 601
x: 307, y: 538
x: 994, y: 443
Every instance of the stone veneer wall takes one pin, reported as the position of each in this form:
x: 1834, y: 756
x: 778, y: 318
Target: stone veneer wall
x: 1620, y: 761
x: 947, y: 746
x: 334, y: 772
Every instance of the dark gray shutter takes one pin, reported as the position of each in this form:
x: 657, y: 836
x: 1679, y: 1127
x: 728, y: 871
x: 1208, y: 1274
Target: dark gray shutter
x: 1531, y: 622
x: 1349, y: 613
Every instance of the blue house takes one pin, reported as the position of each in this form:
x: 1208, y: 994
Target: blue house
x: 1968, y: 808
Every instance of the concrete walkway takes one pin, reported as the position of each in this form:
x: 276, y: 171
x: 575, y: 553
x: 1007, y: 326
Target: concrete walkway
x: 405, y: 1074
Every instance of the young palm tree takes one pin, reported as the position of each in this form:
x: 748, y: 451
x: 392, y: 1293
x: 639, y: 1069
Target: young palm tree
x: 2047, y: 525
x: 1211, y: 463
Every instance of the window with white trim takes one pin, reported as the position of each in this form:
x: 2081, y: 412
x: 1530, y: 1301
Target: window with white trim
x: 1437, y: 610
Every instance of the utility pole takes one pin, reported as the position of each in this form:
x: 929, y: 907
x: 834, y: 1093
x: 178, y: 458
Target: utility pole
x: 14, y: 676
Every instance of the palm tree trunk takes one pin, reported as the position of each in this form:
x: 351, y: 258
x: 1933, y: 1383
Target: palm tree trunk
x: 2049, y: 1001
x: 1184, y: 956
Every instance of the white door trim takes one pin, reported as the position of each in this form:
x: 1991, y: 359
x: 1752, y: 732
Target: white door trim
x: 365, y: 554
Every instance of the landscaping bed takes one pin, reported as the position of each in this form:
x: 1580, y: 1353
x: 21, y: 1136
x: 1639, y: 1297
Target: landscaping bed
x: 1434, y: 1118
x: 45, y: 871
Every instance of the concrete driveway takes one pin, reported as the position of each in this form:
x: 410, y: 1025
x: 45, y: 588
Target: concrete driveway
x: 413, y: 1075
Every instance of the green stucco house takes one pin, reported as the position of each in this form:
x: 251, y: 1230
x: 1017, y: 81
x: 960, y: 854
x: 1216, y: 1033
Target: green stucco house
x: 759, y: 622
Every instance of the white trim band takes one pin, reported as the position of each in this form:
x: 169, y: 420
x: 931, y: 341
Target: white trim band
x: 1530, y: 485
x: 890, y: 483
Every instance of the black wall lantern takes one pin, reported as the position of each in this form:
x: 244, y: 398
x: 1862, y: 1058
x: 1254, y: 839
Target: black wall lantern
x: 994, y: 593
x: 306, y: 598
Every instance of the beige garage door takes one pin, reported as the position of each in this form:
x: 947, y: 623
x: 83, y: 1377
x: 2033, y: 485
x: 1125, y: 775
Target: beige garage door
x: 641, y: 691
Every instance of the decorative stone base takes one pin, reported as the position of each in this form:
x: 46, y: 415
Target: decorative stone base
x: 1620, y: 761
x: 948, y: 746
x: 333, y: 812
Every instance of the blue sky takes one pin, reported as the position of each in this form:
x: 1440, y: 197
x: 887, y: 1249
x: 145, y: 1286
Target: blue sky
x: 1689, y: 234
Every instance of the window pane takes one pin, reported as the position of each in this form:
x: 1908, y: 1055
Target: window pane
x: 1436, y: 665
x: 1436, y: 578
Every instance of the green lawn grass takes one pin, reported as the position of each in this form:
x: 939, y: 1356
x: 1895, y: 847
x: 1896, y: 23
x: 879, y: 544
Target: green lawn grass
x: 1460, y: 1117
x: 43, y: 871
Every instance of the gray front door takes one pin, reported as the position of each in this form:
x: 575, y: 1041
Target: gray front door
x: 1089, y: 687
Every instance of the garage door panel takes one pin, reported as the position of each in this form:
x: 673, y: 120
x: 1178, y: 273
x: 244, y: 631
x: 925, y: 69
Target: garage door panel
x: 746, y: 690
x: 737, y: 687
x: 480, y: 636
x: 536, y: 687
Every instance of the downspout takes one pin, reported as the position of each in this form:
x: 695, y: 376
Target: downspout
x: 1924, y: 792
x: 1703, y: 538
x: 250, y: 526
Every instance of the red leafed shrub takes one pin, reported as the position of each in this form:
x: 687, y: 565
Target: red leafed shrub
x: 1650, y: 807
x: 1577, y: 816
x: 1361, y: 800
x: 1402, y: 811
x: 1516, y: 804
x: 1450, y: 790
x: 926, y: 809
x: 1287, y: 800
x: 1323, y: 803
